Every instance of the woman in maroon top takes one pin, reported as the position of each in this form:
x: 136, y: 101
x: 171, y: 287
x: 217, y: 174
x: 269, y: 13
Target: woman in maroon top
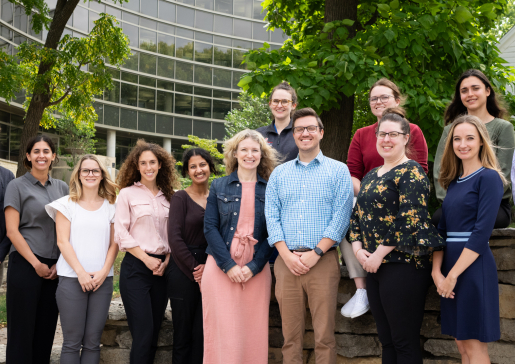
x: 362, y: 158
x: 188, y: 249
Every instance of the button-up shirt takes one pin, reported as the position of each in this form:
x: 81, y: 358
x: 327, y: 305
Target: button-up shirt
x: 28, y: 196
x: 141, y: 219
x: 305, y: 203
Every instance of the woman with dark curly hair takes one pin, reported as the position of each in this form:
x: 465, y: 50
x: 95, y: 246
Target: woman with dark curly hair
x: 147, y: 179
x: 188, y: 246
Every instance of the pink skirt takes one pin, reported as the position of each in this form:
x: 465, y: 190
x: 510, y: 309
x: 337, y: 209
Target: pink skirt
x: 235, y: 319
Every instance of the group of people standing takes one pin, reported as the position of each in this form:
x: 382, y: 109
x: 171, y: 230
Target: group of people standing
x: 208, y: 249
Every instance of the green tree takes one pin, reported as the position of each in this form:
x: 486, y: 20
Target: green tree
x: 338, y: 49
x: 53, y: 74
x: 254, y: 113
x: 504, y: 23
x: 77, y: 139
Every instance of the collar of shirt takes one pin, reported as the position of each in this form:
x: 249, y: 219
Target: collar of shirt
x: 272, y: 129
x: 233, y: 177
x: 35, y: 181
x: 319, y: 158
x: 141, y: 185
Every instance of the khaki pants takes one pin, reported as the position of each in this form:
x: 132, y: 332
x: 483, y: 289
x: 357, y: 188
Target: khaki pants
x: 355, y: 269
x: 320, y: 286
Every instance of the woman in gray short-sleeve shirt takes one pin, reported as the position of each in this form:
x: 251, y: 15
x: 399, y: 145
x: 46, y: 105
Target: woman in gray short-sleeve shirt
x: 31, y: 278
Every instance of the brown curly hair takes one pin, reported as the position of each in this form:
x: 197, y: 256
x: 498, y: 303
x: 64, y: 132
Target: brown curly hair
x: 167, y: 178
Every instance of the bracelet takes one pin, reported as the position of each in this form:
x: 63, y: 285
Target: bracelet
x: 356, y: 254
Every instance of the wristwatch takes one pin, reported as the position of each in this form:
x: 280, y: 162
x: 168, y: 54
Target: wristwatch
x: 319, y: 251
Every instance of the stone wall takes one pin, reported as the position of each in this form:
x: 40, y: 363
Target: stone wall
x: 356, y: 339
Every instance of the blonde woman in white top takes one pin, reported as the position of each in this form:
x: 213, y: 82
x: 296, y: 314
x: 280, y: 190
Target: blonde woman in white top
x: 85, y: 236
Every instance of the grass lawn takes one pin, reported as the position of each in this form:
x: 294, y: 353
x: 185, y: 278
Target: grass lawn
x: 3, y: 312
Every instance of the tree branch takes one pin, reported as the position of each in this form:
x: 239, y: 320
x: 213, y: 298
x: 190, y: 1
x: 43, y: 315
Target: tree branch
x: 61, y: 98
x: 372, y: 20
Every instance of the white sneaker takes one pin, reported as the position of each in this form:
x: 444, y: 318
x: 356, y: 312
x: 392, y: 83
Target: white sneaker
x: 357, y: 305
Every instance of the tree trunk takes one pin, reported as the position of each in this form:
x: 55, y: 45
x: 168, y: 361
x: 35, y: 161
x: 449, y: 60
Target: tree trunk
x: 338, y: 121
x: 41, y: 100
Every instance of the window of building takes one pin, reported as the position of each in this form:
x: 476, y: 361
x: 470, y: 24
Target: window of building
x: 202, y: 107
x: 113, y: 95
x: 203, y: 52
x: 222, y: 94
x: 243, y: 8
x: 222, y: 78
x: 148, y: 40
x: 221, y: 109
x: 259, y: 32
x: 164, y: 101
x: 166, y: 11
x: 147, y: 98
x: 183, y: 104
x: 129, y: 119
x: 223, y: 56
x: 203, y: 75
x: 205, y: 4
x: 132, y: 5
x: 204, y: 20
x: 131, y: 31
x: 185, y: 16
x: 147, y: 81
x: 218, y: 131
x: 165, y: 67
x: 129, y: 94
x: 149, y: 8
x: 224, y: 6
x: 223, y: 24
x: 129, y: 77
x: 164, y: 124
x: 132, y: 62
x: 184, y: 48
x: 202, y: 129
x: 165, y: 85
x: 111, y: 115
x: 242, y: 28
x: 182, y: 127
x: 147, y: 122
x: 184, y: 71
x: 166, y: 44
x: 147, y: 63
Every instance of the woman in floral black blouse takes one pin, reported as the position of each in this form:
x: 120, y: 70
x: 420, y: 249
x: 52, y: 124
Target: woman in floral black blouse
x: 393, y: 238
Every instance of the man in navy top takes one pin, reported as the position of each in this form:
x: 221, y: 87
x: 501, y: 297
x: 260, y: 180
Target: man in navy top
x: 308, y: 206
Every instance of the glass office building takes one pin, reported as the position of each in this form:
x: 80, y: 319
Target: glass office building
x: 182, y: 75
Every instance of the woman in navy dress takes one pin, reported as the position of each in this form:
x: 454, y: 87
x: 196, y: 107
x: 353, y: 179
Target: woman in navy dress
x: 465, y: 273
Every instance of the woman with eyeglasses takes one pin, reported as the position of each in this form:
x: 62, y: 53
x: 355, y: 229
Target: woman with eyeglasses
x: 282, y: 103
x: 85, y: 236
x: 474, y: 95
x: 362, y: 158
x: 393, y: 239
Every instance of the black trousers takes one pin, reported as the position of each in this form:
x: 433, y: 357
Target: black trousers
x: 31, y: 312
x: 186, y: 303
x: 502, y: 220
x: 144, y: 298
x: 397, y: 295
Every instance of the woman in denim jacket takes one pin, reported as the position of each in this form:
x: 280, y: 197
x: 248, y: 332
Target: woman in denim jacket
x: 237, y: 280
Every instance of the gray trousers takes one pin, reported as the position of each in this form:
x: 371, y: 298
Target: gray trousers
x: 83, y: 317
x: 355, y: 269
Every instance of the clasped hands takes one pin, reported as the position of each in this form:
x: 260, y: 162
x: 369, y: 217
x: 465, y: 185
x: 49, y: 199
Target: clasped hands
x: 157, y: 266
x: 369, y: 261
x: 444, y: 285
x: 43, y: 271
x: 238, y: 274
x: 300, y: 263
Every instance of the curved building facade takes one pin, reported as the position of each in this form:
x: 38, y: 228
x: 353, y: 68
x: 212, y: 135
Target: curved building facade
x: 182, y: 75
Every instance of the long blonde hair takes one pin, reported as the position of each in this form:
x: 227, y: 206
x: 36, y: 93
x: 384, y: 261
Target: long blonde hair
x: 269, y: 156
x: 107, y: 188
x: 452, y: 167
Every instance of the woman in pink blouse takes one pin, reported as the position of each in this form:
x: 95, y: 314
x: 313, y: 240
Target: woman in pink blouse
x: 147, y: 179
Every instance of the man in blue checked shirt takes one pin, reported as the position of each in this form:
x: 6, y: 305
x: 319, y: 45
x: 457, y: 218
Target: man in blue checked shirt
x: 308, y: 207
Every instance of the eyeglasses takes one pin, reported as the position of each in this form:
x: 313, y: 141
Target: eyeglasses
x: 84, y: 172
x: 284, y: 102
x: 392, y: 134
x: 383, y: 98
x: 312, y: 129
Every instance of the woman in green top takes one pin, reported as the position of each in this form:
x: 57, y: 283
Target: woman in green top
x: 474, y: 95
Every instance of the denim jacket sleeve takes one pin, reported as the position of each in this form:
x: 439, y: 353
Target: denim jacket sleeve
x: 214, y: 239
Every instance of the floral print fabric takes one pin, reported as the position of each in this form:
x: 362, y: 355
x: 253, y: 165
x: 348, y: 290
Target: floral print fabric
x: 392, y: 210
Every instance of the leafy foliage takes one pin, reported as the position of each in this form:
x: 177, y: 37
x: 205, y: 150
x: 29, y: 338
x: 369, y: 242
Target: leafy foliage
x: 211, y: 147
x: 504, y: 23
x: 422, y: 45
x: 76, y: 139
x: 71, y: 89
x: 254, y: 114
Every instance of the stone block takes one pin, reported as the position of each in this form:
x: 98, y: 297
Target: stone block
x: 503, y: 233
x: 363, y: 324
x: 354, y: 345
x: 117, y: 311
x: 432, y: 299
x: 346, y: 290
x: 3, y: 348
x: 309, y: 340
x: 274, y: 315
x: 504, y: 258
x: 344, y: 272
x: 439, y: 347
x: 508, y: 330
x: 275, y: 356
x: 501, y: 353
x: 510, y: 242
x: 124, y: 339
x: 109, y: 355
x: 275, y: 337
x: 163, y: 356
x: 506, y: 276
x: 108, y: 337
x: 441, y: 361
x: 165, y: 334
x: 431, y: 328
x: 368, y: 360
x: 507, y: 301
